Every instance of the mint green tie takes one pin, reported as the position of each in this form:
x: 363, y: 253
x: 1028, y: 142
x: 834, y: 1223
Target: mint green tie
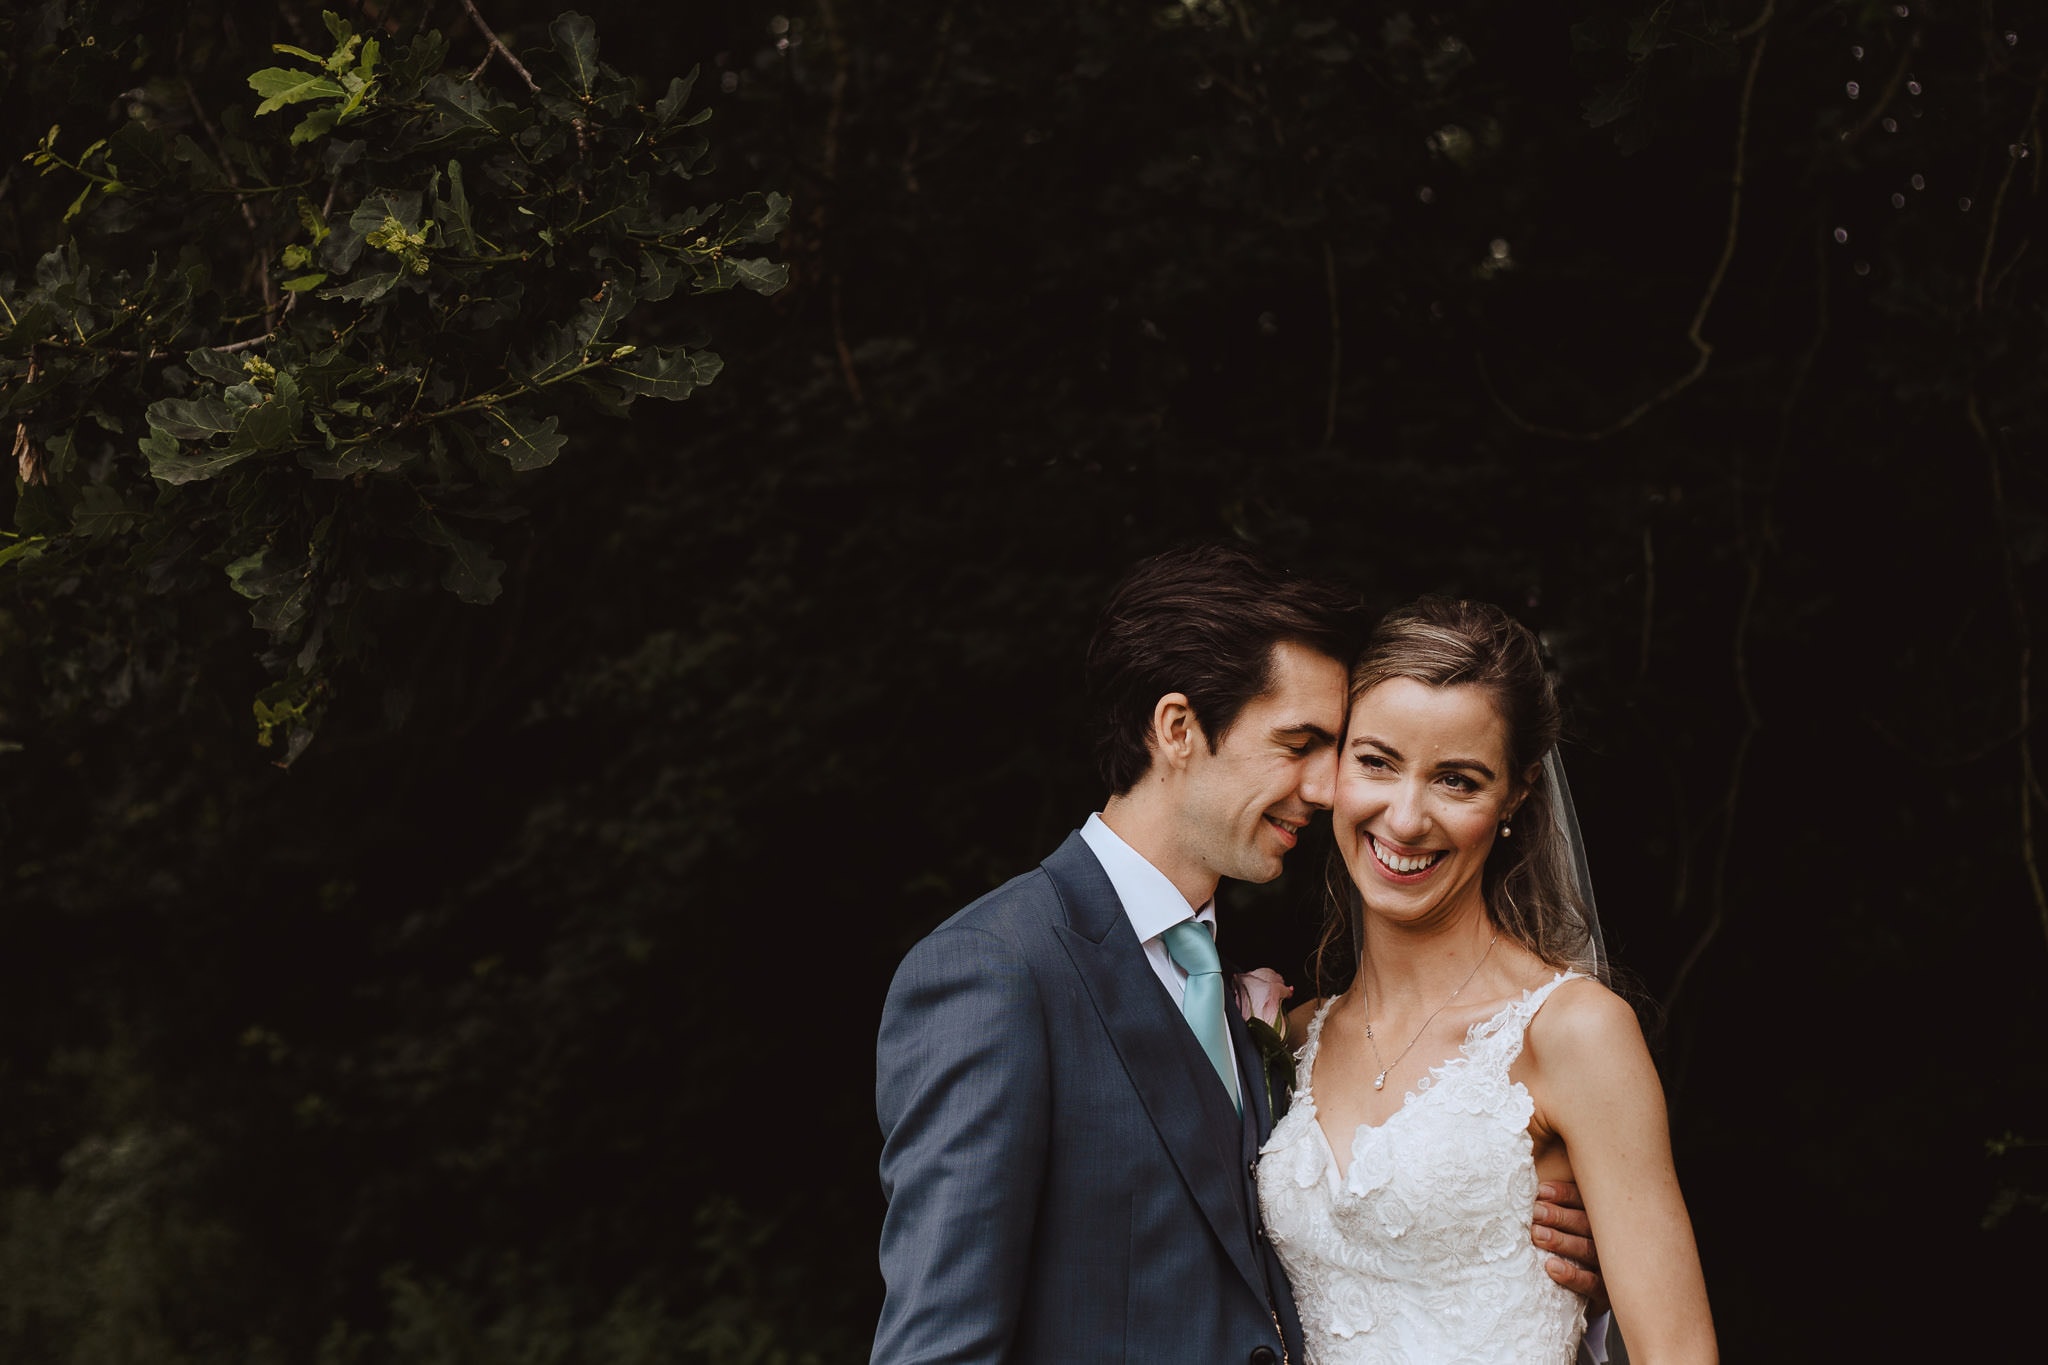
x: 1190, y: 945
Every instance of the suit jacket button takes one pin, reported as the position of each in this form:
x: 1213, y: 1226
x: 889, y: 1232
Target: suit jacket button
x: 1264, y: 1356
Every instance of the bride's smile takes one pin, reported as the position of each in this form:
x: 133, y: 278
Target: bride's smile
x: 1403, y: 865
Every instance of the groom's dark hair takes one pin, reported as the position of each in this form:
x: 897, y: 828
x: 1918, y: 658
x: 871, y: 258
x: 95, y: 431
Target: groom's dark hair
x: 1203, y: 621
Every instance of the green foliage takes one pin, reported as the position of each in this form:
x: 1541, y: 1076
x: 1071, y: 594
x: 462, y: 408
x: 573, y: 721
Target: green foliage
x: 421, y: 287
x: 2012, y: 1196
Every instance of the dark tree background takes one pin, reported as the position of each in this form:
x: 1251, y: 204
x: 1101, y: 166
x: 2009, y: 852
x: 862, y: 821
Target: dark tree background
x: 528, y: 1016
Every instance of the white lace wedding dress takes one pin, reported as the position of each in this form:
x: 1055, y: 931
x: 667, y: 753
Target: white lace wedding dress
x: 1420, y: 1254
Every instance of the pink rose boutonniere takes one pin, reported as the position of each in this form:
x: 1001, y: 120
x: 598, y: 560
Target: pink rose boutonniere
x: 1262, y: 999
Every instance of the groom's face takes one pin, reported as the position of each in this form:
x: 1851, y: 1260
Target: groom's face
x: 1273, y: 769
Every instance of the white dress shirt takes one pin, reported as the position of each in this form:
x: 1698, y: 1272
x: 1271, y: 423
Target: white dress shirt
x: 1153, y: 905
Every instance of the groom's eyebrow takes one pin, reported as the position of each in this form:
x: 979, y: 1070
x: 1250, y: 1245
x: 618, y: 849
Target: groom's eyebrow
x: 1305, y: 730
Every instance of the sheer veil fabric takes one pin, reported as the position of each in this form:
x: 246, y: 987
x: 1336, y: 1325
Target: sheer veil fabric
x: 1564, y: 828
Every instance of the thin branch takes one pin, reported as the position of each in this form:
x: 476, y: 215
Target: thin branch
x: 2012, y: 165
x: 2016, y: 603
x: 500, y: 48
x: 1752, y: 725
x: 1264, y: 99
x: 1917, y: 749
x: 846, y: 370
x: 1718, y: 918
x: 1703, y: 349
x: 1336, y: 343
x: 2006, y: 269
x: 1755, y: 549
x: 494, y: 44
x: 245, y: 344
x: 259, y: 267
x: 1244, y: 22
x: 1649, y: 602
x: 833, y: 116
x: 1686, y: 842
x: 924, y: 97
x: 1233, y: 89
x: 252, y: 342
x: 227, y: 164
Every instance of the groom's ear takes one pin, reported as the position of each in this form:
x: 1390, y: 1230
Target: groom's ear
x: 1174, y: 733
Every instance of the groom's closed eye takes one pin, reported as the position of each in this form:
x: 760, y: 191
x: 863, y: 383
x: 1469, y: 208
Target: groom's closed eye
x: 1303, y: 740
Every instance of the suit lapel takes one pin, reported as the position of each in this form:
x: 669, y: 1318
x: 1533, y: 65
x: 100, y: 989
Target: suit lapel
x: 1251, y: 1067
x: 1193, y: 1116
x: 1258, y: 1123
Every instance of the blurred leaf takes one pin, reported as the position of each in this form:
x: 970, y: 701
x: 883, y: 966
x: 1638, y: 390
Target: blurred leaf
x: 471, y: 573
x: 523, y: 442
x: 667, y: 372
x: 280, y: 87
x: 576, y: 39
x: 100, y: 511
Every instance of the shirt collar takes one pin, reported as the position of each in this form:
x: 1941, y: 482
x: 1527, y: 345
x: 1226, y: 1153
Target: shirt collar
x: 1151, y: 902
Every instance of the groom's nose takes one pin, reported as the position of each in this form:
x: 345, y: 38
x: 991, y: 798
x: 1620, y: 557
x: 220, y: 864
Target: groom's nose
x: 1319, y: 778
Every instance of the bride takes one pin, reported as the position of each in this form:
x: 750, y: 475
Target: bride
x: 1477, y: 1051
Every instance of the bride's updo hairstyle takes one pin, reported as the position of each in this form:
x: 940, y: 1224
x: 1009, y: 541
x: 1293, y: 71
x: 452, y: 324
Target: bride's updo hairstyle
x: 1531, y: 887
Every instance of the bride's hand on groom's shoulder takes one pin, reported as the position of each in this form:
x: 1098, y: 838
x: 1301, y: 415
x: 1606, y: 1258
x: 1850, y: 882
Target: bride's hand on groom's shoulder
x: 1562, y: 1229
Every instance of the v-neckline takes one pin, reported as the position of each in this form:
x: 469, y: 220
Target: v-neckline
x: 1338, y: 1171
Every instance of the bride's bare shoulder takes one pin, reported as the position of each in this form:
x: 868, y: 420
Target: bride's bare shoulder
x: 1583, y: 1020
x: 1300, y: 1016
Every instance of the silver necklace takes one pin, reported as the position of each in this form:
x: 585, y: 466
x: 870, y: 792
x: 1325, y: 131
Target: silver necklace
x: 1379, y: 1082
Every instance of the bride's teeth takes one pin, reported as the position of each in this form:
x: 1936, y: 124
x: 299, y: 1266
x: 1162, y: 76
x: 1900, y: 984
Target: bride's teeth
x: 1396, y: 863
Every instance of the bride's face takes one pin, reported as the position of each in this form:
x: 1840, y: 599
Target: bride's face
x: 1422, y: 789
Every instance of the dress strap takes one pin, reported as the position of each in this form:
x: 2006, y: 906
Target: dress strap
x: 1305, y: 1059
x: 1500, y: 1037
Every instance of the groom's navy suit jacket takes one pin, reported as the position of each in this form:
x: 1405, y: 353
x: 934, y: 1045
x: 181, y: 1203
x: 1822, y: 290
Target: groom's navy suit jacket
x: 1067, y: 1179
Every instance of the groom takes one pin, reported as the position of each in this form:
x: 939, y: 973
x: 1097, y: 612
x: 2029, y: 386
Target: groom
x: 1071, y: 1108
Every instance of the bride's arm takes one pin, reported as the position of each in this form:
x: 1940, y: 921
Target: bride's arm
x: 1599, y: 1092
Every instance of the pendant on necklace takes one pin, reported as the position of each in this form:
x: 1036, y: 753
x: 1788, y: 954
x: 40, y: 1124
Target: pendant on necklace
x: 1379, y: 1082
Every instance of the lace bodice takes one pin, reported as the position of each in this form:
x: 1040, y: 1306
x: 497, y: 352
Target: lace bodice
x: 1421, y: 1254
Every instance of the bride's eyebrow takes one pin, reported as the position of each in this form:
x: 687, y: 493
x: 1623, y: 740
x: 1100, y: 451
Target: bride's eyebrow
x: 1390, y: 751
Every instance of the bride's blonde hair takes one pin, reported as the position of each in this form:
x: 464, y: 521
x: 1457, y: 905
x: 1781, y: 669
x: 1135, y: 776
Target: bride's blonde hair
x: 1531, y: 890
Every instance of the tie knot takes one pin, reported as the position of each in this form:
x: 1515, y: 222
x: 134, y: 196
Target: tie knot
x: 1191, y: 945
